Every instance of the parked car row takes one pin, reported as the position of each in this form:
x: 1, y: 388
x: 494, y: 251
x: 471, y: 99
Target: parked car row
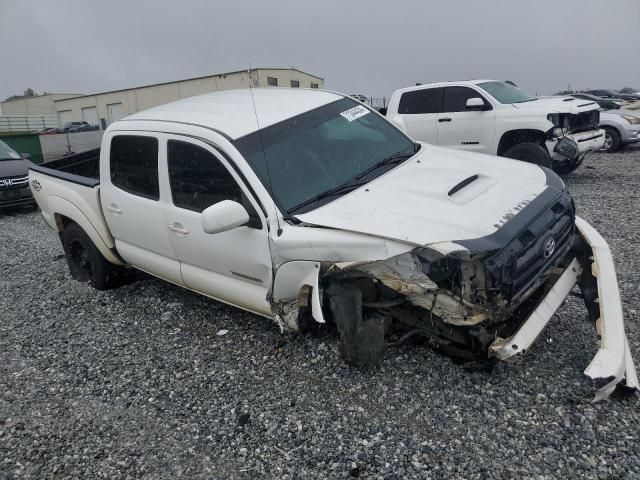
x: 69, y: 127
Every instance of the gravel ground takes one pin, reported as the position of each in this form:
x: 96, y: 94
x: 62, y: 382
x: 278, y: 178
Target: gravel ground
x: 136, y: 382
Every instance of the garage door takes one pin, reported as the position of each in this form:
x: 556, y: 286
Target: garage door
x: 116, y: 112
x: 90, y: 115
x: 64, y: 116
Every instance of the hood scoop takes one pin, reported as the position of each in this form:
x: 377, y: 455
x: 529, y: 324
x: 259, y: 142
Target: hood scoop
x: 470, y: 188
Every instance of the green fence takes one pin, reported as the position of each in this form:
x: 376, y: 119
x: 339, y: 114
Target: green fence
x: 24, y: 143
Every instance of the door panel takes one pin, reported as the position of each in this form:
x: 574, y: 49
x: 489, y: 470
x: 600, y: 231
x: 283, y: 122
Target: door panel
x: 232, y: 266
x: 418, y: 110
x: 133, y: 207
x: 465, y: 129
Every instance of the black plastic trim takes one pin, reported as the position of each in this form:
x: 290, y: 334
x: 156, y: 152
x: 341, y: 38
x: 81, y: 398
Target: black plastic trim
x: 593, y: 137
x: 227, y: 137
x: 462, y: 184
x: 69, y: 177
x: 511, y: 228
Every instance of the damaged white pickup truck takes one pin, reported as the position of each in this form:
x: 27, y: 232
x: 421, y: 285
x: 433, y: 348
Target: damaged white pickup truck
x: 304, y: 205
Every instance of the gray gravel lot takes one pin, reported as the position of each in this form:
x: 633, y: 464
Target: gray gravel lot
x: 136, y: 382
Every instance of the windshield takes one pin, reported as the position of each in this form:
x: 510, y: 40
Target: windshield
x: 322, y: 149
x: 506, y: 93
x: 8, y: 153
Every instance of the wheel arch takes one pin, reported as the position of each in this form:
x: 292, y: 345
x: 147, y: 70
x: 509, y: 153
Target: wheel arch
x: 65, y: 212
x: 511, y: 138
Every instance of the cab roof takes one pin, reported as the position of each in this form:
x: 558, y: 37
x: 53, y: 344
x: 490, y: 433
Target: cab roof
x: 232, y: 112
x: 444, y: 84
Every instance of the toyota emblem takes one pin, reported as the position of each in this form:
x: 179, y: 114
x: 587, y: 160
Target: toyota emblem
x: 549, y: 247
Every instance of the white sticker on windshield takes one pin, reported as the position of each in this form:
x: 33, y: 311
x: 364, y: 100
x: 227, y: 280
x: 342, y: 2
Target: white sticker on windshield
x: 355, y: 112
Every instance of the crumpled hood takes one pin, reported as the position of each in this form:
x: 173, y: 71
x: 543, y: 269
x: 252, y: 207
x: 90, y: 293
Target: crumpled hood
x: 438, y: 195
x: 13, y: 168
x: 558, y: 105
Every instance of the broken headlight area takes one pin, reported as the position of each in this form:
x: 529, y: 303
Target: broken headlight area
x: 564, y: 123
x: 462, y: 296
x: 567, y: 147
x: 461, y: 302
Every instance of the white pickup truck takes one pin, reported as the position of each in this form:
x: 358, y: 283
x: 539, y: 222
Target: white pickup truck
x: 306, y: 206
x: 489, y: 116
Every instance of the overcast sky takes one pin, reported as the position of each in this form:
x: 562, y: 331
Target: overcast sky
x: 358, y: 46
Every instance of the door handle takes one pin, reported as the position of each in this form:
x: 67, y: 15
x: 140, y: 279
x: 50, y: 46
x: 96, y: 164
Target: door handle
x: 114, y: 209
x: 444, y: 119
x: 178, y: 228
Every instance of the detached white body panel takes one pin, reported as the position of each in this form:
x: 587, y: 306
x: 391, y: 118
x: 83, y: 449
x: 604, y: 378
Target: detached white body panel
x: 613, y: 360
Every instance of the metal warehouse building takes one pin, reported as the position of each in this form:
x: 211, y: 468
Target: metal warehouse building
x: 104, y: 108
x: 34, y: 105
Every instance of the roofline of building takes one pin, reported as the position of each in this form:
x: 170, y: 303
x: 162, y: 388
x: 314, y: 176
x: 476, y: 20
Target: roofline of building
x: 183, y: 80
x: 44, y: 95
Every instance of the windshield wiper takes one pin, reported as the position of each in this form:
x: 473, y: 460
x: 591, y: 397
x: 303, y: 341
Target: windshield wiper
x: 528, y: 100
x: 395, y: 158
x: 353, y: 184
x: 344, y: 188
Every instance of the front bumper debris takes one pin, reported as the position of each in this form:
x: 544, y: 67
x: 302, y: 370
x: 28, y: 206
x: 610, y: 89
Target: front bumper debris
x: 414, y: 288
x: 575, y: 146
x: 613, y: 361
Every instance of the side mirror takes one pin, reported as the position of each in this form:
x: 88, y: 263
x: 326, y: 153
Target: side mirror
x: 26, y: 156
x: 475, y: 103
x: 223, y: 216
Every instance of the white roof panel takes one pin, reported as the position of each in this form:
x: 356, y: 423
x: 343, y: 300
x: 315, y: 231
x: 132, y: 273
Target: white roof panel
x: 232, y: 111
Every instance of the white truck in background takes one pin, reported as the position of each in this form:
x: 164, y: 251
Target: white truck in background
x: 498, y: 118
x: 305, y: 206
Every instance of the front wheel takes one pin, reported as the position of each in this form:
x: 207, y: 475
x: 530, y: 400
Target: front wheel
x: 531, y: 153
x: 85, y: 261
x: 611, y: 140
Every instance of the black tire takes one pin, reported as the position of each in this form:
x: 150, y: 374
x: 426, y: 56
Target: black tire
x: 612, y: 140
x: 362, y: 340
x: 85, y: 261
x: 531, y: 153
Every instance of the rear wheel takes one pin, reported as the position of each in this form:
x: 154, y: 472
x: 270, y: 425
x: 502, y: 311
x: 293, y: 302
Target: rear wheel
x: 611, y: 140
x: 85, y: 261
x: 531, y: 153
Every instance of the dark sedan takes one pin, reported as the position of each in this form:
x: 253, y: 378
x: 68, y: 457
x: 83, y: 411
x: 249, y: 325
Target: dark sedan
x: 632, y: 97
x: 14, y: 178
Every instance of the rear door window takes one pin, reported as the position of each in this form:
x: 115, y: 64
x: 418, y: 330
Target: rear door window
x: 455, y: 98
x: 134, y: 165
x: 426, y: 100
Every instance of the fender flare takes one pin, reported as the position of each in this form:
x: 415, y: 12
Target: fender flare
x: 62, y: 207
x: 291, y: 277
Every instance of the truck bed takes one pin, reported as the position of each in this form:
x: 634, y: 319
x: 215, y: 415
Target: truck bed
x: 82, y: 168
x: 68, y: 189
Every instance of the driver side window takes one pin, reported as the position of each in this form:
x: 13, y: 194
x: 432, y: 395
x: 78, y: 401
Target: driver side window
x: 198, y: 180
x: 455, y: 98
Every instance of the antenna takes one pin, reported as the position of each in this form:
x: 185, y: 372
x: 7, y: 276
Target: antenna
x: 264, y: 152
